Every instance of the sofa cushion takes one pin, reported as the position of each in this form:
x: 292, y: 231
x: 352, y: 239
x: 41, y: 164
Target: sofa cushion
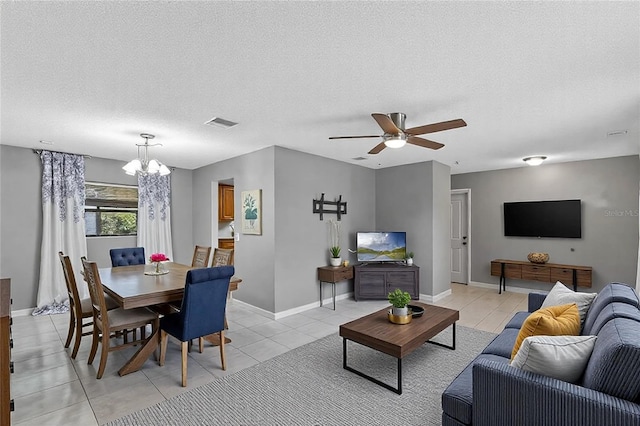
x: 613, y: 366
x: 614, y: 292
x: 561, y: 295
x: 611, y: 311
x: 517, y: 320
x: 457, y: 399
x: 551, y: 321
x: 561, y: 357
x: 502, y: 345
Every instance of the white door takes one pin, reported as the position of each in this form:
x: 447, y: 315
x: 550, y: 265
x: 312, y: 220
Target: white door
x: 459, y: 238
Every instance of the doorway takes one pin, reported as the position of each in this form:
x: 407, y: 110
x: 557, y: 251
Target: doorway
x: 460, y: 235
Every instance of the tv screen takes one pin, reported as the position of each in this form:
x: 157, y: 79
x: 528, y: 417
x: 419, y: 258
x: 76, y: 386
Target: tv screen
x: 552, y: 219
x: 381, y: 246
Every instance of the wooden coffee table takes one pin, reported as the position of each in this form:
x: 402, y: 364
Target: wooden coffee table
x: 377, y: 332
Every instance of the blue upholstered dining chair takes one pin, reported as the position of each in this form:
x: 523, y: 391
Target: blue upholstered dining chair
x: 127, y: 256
x: 202, y: 312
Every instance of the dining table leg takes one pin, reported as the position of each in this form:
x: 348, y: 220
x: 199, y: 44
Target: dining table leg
x: 142, y: 355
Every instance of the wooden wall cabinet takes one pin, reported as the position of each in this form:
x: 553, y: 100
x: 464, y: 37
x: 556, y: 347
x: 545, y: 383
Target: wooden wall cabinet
x: 225, y: 203
x: 225, y: 243
x: 6, y: 366
x: 375, y: 281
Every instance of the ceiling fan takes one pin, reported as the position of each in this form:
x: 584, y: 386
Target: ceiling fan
x: 395, y: 135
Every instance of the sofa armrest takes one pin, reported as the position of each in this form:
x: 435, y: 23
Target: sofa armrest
x: 505, y: 395
x: 536, y: 299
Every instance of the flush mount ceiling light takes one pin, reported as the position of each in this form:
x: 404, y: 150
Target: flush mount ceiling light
x: 395, y: 141
x: 142, y: 165
x: 534, y: 161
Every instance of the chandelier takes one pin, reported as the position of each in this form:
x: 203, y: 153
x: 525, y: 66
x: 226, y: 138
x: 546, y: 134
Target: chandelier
x: 142, y: 165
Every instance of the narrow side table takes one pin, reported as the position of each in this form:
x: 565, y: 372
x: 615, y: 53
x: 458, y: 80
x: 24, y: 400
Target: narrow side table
x: 332, y: 275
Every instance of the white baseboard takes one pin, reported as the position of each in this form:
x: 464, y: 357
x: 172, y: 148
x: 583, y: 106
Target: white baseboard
x: 22, y: 312
x: 510, y: 289
x: 298, y: 309
x: 432, y: 299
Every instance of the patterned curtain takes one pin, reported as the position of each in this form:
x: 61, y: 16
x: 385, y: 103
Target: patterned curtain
x: 63, y: 228
x: 154, y: 214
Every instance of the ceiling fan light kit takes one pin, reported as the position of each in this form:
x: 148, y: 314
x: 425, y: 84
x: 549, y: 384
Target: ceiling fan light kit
x: 535, y: 160
x: 142, y: 165
x: 396, y: 136
x: 395, y: 141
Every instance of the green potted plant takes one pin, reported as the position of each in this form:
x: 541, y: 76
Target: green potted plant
x: 409, y: 258
x: 335, y: 259
x: 399, y: 299
x: 334, y: 242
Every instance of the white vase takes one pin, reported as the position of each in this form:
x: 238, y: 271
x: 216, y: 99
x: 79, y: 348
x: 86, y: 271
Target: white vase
x: 335, y: 261
x: 401, y: 312
x: 410, y: 261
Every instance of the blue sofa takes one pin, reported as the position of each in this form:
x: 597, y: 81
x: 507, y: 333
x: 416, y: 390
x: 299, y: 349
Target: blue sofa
x: 490, y: 392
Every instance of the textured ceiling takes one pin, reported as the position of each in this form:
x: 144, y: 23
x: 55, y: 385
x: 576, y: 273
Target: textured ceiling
x: 547, y: 78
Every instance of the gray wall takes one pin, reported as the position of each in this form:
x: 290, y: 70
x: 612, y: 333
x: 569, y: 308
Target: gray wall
x: 608, y: 189
x: 21, y: 212
x: 302, y: 239
x: 278, y: 268
x: 254, y: 255
x: 416, y: 199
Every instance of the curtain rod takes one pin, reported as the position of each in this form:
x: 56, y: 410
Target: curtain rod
x: 39, y: 151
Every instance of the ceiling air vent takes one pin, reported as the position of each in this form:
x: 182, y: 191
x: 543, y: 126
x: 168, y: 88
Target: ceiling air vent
x: 220, y: 122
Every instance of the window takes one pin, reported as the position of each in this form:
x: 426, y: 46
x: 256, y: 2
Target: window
x: 110, y: 209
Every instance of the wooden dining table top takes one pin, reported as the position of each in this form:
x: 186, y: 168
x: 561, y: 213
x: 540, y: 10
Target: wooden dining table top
x: 131, y: 288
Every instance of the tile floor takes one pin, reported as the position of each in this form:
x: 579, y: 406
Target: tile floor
x: 49, y: 388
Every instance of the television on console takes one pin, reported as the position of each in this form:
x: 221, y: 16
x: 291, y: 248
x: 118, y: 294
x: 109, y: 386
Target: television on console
x: 381, y: 246
x: 550, y: 219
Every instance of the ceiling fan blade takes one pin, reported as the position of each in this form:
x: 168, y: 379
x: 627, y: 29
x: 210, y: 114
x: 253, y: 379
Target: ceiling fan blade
x: 376, y: 149
x: 386, y: 123
x: 436, y: 127
x: 425, y: 143
x: 353, y: 137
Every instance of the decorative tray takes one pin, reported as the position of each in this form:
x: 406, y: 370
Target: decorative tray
x: 416, y: 311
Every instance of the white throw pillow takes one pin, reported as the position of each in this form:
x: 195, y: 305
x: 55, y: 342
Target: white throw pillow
x: 561, y: 295
x: 561, y: 357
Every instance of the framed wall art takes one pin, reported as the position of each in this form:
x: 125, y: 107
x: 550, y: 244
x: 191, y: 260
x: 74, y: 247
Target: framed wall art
x: 252, y: 212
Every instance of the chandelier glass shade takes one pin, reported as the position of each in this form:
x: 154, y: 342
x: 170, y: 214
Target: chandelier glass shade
x: 142, y: 164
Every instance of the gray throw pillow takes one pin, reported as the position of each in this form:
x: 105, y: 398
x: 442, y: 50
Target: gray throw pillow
x: 561, y: 295
x: 562, y: 357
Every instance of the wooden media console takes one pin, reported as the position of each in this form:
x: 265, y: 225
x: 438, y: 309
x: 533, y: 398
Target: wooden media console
x: 544, y: 272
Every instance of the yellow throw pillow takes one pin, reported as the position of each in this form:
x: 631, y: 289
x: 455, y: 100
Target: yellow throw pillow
x: 552, y: 321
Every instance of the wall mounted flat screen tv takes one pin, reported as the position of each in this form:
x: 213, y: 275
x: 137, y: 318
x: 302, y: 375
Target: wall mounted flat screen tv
x: 381, y: 246
x: 548, y: 219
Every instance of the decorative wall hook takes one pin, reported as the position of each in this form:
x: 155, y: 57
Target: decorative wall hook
x: 340, y: 207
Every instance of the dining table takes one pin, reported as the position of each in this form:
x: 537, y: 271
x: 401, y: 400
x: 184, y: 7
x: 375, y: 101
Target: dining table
x: 132, y: 288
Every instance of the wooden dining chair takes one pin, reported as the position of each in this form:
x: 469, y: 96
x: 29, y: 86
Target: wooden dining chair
x: 202, y: 312
x: 117, y: 320
x: 201, y: 257
x: 79, y: 309
x: 222, y: 257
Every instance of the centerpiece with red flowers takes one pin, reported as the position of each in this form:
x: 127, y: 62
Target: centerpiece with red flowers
x: 158, y: 258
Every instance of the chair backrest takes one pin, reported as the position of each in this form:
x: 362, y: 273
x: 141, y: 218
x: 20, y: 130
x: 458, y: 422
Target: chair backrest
x: 72, y: 286
x: 127, y: 256
x: 96, y: 292
x: 222, y: 257
x: 201, y: 257
x: 204, y: 301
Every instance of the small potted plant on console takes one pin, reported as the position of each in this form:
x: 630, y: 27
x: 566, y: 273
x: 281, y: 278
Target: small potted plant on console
x: 409, y: 258
x: 335, y: 259
x: 400, y: 312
